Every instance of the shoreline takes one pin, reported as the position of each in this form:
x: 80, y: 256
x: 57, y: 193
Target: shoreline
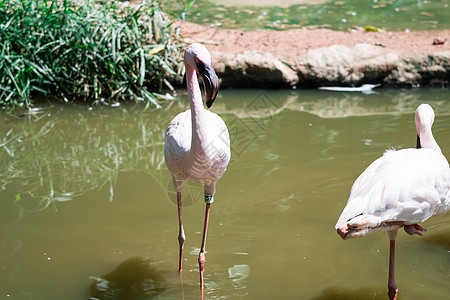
x: 317, y: 57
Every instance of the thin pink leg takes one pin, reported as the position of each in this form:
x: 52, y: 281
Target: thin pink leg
x: 181, y: 236
x: 201, y: 257
x: 414, y: 229
x: 393, y: 290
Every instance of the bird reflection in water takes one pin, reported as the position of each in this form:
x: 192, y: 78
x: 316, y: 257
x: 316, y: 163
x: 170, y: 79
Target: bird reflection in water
x: 135, y: 278
x: 364, y: 293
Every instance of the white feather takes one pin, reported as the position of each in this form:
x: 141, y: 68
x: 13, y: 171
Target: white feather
x: 409, y: 185
x: 400, y: 188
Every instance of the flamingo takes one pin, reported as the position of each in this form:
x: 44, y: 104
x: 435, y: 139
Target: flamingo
x: 197, y: 142
x: 400, y: 189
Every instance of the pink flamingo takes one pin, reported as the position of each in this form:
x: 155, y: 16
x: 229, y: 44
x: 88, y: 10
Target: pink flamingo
x: 399, y: 189
x: 197, y: 142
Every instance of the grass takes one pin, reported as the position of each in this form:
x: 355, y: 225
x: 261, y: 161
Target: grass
x: 100, y: 52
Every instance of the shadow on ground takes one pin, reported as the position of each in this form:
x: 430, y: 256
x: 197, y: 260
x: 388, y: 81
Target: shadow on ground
x: 364, y: 293
x: 134, y: 279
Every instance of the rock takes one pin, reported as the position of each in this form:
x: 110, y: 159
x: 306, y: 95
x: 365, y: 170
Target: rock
x: 253, y: 69
x: 421, y: 69
x: 365, y: 63
x: 439, y: 41
x: 326, y: 57
x: 341, y: 65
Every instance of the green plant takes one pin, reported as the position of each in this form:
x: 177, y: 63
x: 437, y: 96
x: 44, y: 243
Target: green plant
x: 104, y: 52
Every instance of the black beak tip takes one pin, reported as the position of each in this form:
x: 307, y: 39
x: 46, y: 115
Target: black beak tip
x: 211, y: 88
x: 210, y: 81
x: 209, y: 103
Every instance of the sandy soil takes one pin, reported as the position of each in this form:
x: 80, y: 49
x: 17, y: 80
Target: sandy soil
x: 290, y: 45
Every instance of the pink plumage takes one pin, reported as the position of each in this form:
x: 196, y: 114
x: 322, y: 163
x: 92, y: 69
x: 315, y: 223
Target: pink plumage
x: 197, y: 142
x: 400, y: 189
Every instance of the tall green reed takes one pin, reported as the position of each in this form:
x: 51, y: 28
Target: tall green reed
x: 82, y: 50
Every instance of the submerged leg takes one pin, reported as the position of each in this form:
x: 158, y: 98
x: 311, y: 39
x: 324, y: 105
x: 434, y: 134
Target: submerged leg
x: 201, y: 257
x: 181, y: 236
x: 393, y: 290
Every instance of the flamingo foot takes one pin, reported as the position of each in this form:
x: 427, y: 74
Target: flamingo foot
x: 414, y: 229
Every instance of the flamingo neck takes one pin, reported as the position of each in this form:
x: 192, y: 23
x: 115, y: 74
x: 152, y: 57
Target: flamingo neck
x: 197, y: 110
x: 427, y: 140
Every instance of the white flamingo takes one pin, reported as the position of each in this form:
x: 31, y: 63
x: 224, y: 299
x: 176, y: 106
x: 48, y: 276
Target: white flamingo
x: 197, y: 142
x: 399, y: 189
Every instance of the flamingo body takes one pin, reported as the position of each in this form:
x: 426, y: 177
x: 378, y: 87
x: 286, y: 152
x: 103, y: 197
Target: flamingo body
x: 197, y: 142
x: 400, y: 189
x: 205, y: 166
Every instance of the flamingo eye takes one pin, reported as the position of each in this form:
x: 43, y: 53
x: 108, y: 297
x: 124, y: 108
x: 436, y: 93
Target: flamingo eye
x: 197, y: 60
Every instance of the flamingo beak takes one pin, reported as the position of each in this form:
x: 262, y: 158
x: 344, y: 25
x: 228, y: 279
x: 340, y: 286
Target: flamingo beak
x: 210, y: 81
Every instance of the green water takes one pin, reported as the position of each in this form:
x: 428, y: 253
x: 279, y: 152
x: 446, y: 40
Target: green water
x: 389, y: 15
x: 85, y: 190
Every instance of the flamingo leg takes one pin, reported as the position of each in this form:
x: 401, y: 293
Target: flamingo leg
x: 181, y: 236
x: 201, y: 257
x: 393, y: 289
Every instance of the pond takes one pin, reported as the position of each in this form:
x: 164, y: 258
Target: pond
x: 390, y: 15
x: 85, y: 193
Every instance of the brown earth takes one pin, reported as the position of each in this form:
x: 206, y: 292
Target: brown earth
x: 290, y: 45
x: 313, y: 58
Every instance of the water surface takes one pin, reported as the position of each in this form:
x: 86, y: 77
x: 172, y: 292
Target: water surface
x: 85, y: 192
x: 389, y: 15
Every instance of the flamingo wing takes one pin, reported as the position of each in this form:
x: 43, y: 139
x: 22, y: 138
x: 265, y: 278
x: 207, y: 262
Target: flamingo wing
x: 178, y: 143
x: 409, y: 185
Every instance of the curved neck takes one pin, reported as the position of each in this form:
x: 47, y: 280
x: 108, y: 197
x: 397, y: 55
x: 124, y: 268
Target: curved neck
x: 427, y: 140
x: 197, y: 110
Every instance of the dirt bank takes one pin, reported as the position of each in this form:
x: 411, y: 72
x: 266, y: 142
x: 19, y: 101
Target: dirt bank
x: 420, y: 58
